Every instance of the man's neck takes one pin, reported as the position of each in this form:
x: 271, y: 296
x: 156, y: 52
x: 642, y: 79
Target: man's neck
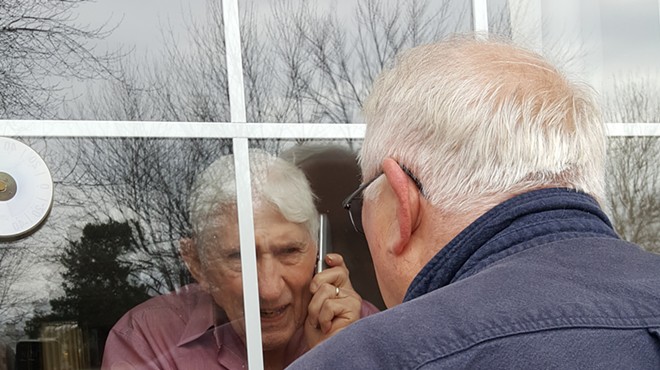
x: 274, y: 359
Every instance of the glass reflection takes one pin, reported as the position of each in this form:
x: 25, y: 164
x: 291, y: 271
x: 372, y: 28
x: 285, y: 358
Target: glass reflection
x: 110, y: 242
x: 315, y: 61
x: 634, y: 189
x: 606, y: 43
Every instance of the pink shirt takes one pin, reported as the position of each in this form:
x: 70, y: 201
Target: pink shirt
x: 177, y: 331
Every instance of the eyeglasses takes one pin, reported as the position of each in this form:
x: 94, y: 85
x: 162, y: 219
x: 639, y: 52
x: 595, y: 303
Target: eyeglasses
x: 353, y: 203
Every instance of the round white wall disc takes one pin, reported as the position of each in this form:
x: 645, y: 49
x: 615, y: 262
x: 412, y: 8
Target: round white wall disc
x: 26, y: 189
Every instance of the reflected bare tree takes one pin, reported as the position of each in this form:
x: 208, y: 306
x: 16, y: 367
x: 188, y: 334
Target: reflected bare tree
x: 634, y: 179
x: 303, y: 64
x: 145, y: 182
x: 41, y: 41
x: 12, y: 268
x: 326, y: 65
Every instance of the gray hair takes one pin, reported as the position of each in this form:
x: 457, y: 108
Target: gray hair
x: 476, y: 118
x: 275, y: 183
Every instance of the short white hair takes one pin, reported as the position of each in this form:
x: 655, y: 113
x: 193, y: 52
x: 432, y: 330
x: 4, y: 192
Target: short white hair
x: 473, y: 119
x: 275, y: 183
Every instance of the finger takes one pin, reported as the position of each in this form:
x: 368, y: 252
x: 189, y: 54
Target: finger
x: 324, y: 302
x: 334, y: 259
x: 313, y: 334
x: 336, y: 275
x: 338, y: 313
x: 324, y: 293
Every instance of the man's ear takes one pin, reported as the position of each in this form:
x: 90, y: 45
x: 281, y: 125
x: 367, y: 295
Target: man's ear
x: 190, y: 255
x: 407, y: 198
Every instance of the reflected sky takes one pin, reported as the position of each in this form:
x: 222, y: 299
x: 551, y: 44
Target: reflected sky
x: 632, y: 31
x: 611, y: 37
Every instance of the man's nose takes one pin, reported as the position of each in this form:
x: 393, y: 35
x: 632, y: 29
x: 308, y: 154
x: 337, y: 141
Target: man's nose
x: 271, y: 283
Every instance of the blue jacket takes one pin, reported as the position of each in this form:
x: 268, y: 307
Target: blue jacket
x: 538, y: 282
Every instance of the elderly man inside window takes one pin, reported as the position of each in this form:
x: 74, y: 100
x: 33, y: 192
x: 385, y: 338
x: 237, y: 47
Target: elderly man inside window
x: 201, y: 326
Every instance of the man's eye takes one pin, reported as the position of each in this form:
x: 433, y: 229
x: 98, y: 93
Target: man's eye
x: 292, y: 250
x: 234, y: 256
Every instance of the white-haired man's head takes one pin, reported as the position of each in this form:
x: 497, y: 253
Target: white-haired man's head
x: 474, y: 119
x: 276, y: 183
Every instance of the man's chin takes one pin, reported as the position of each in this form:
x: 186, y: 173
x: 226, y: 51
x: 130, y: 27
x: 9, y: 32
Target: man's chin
x: 276, y: 340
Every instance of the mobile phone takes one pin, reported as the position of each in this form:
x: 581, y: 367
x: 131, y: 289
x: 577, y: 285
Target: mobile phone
x: 324, y: 242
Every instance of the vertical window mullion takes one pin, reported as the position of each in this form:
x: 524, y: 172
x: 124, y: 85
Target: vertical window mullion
x: 243, y: 187
x: 480, y: 16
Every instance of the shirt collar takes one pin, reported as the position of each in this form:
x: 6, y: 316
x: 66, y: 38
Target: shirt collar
x: 206, y: 318
x: 201, y: 318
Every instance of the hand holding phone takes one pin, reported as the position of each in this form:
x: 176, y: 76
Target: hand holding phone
x: 324, y: 320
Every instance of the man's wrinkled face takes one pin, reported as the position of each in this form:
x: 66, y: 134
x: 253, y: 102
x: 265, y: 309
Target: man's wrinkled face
x: 286, y: 255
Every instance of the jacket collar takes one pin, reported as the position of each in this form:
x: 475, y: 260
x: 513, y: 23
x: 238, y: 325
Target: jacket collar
x: 521, y: 222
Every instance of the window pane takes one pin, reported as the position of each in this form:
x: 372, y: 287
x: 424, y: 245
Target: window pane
x: 159, y: 60
x: 612, y: 45
x: 634, y: 189
x: 120, y: 215
x: 293, y: 183
x: 315, y: 61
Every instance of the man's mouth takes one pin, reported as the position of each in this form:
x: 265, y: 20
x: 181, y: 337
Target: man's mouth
x: 273, y: 312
